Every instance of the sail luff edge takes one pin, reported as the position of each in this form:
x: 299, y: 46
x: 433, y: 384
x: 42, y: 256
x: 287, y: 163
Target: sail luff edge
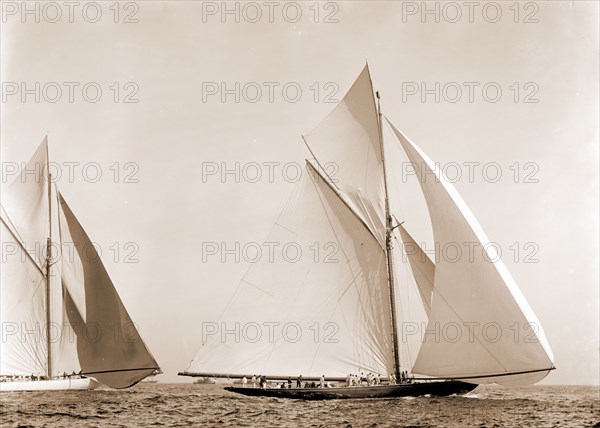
x: 18, y: 241
x: 340, y: 196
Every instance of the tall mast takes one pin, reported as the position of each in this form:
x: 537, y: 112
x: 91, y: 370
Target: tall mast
x: 48, y: 264
x: 388, y: 248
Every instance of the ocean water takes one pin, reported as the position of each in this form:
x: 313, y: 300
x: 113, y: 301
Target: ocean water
x: 181, y: 405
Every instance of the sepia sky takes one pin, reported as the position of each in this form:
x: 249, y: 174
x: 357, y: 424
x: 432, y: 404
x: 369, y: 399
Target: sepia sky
x: 541, y: 131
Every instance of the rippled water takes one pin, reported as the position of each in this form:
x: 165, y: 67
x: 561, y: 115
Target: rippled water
x: 209, y: 405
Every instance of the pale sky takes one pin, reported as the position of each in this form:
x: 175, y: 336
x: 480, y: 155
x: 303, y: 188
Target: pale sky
x: 168, y: 135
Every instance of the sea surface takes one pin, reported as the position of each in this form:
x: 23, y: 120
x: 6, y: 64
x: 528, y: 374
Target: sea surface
x: 183, y: 405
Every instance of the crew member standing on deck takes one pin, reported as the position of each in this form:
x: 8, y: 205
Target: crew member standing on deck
x: 322, y: 381
x: 299, y: 382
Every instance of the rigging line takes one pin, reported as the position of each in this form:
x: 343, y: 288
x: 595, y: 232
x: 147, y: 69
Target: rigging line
x: 29, y: 346
x: 488, y: 375
x: 475, y: 336
x: 18, y: 241
x: 379, y: 129
x: 12, y: 225
x: 290, y: 310
x: 353, y: 281
x: 316, y: 311
x: 269, y: 377
x: 341, y: 197
x: 319, y: 163
x: 238, y: 286
x: 283, y: 227
x: 208, y: 346
x: 325, y: 303
x: 257, y: 287
x: 290, y: 198
x: 407, y: 274
x: 120, y: 370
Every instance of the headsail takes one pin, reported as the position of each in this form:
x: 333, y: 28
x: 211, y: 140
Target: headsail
x: 481, y: 328
x: 109, y: 346
x: 347, y: 145
x: 421, y: 267
x: 333, y: 300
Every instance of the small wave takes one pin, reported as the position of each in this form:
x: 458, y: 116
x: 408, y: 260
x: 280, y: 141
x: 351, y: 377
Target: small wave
x: 72, y: 415
x: 471, y: 396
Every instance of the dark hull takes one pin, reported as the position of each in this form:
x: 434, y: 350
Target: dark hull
x: 380, y: 391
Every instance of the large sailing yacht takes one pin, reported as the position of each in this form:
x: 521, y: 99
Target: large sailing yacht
x: 63, y: 323
x: 474, y: 304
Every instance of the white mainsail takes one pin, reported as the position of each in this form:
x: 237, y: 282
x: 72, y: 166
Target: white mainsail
x: 97, y: 337
x: 23, y: 310
x: 334, y: 305
x: 23, y: 305
x: 491, y: 333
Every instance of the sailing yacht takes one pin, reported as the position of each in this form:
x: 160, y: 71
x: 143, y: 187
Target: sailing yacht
x: 63, y: 323
x: 348, y: 317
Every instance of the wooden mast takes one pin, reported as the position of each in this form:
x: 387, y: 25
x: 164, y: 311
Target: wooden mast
x: 388, y: 247
x: 48, y: 265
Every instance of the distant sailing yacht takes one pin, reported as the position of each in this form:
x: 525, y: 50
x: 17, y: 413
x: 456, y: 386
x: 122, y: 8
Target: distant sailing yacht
x: 63, y: 323
x: 316, y: 318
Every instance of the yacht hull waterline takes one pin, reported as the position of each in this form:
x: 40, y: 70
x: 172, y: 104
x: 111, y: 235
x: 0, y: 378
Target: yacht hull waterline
x: 437, y: 388
x: 50, y: 385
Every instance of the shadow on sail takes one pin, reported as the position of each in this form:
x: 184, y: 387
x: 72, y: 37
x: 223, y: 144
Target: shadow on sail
x: 109, y: 346
x: 66, y: 327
